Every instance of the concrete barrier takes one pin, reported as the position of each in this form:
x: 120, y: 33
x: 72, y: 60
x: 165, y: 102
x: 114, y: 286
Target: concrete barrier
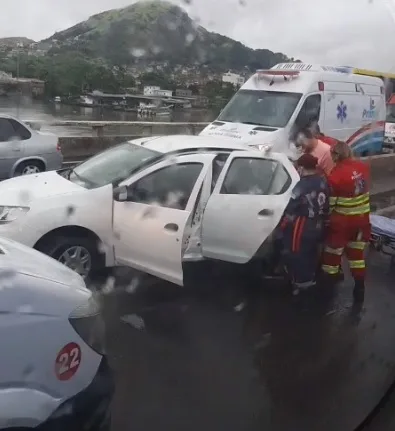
x: 81, y: 147
x: 105, y: 134
x: 119, y: 128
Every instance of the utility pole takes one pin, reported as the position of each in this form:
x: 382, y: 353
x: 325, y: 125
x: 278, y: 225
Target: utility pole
x: 19, y: 45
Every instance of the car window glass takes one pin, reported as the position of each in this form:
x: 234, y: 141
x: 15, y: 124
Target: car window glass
x: 20, y: 130
x: 281, y: 181
x: 168, y: 187
x: 310, y: 111
x: 249, y: 176
x: 7, y: 132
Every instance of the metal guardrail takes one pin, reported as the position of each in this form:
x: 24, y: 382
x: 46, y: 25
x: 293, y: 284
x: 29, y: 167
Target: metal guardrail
x: 99, y: 126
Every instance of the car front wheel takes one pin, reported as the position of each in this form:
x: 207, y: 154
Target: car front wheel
x: 77, y: 253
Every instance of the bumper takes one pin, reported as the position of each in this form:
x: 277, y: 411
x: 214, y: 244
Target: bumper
x: 89, y: 410
x: 54, y: 161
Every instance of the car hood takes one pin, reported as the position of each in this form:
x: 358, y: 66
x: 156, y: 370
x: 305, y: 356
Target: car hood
x: 15, y: 257
x: 25, y: 189
x: 248, y: 133
x: 237, y: 131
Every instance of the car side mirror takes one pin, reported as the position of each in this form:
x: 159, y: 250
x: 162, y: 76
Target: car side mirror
x: 121, y: 194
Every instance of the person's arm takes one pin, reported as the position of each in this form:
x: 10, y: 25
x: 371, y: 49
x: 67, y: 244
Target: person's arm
x: 326, y: 163
x: 333, y: 191
x: 294, y: 202
x: 326, y: 206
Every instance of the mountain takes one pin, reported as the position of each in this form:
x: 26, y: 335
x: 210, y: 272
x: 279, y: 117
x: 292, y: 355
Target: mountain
x: 156, y: 31
x: 12, y: 42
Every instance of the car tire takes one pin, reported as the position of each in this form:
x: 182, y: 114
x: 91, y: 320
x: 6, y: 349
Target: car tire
x: 58, y: 247
x: 29, y: 167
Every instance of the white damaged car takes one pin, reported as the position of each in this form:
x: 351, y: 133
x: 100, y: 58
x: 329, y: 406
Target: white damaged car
x: 151, y: 204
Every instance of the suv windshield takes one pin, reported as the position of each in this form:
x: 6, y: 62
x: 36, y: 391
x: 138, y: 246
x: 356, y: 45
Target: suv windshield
x: 112, y: 166
x: 263, y: 108
x: 390, y: 114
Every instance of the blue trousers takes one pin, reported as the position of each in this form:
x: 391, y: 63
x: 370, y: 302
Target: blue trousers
x: 301, y: 243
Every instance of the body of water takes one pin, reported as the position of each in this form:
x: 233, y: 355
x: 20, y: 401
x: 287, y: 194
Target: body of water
x: 47, y: 113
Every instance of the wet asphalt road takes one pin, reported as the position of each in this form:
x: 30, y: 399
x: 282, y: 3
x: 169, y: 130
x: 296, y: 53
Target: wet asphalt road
x: 231, y: 353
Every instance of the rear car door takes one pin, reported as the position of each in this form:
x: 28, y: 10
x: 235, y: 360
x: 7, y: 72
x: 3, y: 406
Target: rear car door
x: 153, y: 226
x: 11, y: 145
x: 246, y: 205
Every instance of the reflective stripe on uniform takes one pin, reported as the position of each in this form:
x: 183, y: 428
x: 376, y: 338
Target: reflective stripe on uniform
x: 357, y: 264
x: 357, y: 245
x: 330, y: 269
x: 332, y: 201
x: 361, y: 209
x: 351, y: 206
x: 337, y: 251
x: 357, y: 200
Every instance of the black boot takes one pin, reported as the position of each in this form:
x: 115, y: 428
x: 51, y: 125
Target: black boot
x: 359, y: 291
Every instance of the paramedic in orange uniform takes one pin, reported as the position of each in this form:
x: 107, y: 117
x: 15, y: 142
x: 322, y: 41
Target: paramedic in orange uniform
x: 349, y: 224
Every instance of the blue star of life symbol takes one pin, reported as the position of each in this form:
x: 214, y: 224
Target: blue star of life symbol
x: 341, y: 111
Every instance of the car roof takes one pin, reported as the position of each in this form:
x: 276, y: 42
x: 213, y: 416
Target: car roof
x: 2, y: 115
x: 174, y: 143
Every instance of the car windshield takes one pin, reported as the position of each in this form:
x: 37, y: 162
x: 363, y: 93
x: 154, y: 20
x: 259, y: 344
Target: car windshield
x: 112, y: 166
x: 263, y: 108
x: 390, y: 114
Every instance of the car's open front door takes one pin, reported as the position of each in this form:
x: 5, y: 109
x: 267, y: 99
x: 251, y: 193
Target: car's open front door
x: 246, y: 204
x: 153, y: 224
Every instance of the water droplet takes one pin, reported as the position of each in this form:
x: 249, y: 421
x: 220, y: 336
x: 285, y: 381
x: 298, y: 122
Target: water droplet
x: 134, y: 320
x: 156, y: 49
x: 189, y: 38
x: 24, y: 197
x: 7, y: 279
x: 70, y: 210
x: 133, y: 286
x: 109, y: 286
x: 28, y: 370
x: 24, y: 309
x: 102, y: 248
x: 172, y: 26
x: 240, y: 306
x: 138, y: 52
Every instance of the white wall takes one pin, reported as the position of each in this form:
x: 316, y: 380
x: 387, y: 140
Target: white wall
x: 150, y: 90
x: 233, y: 78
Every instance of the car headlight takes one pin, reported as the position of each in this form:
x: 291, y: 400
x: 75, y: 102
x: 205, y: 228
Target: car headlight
x: 11, y: 213
x: 88, y: 322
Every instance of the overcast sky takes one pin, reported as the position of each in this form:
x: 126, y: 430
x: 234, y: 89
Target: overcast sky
x: 344, y: 32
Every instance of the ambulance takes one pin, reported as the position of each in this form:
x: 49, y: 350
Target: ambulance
x: 275, y: 103
x: 389, y: 138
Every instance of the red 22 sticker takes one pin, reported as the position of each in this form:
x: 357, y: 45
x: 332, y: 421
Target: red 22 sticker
x: 68, y: 361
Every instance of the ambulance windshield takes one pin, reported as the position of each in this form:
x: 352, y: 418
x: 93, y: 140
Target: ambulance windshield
x: 263, y: 108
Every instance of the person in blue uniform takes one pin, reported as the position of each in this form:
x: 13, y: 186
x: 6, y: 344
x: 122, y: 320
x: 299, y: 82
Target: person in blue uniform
x: 303, y: 224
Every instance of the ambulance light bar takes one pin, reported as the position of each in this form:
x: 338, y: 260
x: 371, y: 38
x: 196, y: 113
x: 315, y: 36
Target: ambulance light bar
x: 277, y: 72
